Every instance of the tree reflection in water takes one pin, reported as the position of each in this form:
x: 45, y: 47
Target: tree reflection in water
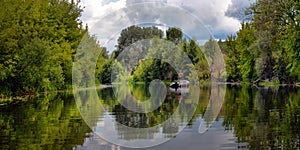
x: 266, y: 118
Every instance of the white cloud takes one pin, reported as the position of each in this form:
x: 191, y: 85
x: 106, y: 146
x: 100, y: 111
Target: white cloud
x: 122, y: 13
x: 94, y: 9
x: 212, y: 14
x: 237, y: 8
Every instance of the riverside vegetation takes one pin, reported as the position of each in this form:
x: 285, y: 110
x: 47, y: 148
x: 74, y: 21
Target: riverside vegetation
x: 39, y: 39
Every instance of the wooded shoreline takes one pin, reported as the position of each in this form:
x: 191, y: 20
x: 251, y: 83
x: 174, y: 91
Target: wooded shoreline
x: 9, y: 100
x: 40, y: 42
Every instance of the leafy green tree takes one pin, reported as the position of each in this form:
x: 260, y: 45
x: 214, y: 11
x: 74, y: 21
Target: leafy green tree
x: 38, y: 67
x: 273, y: 21
x: 215, y: 59
x: 268, y: 42
x: 174, y: 35
x: 288, y: 60
x: 244, y: 44
x: 38, y: 40
x: 194, y: 51
x: 104, y: 75
x: 133, y: 34
x: 210, y: 49
x: 232, y: 60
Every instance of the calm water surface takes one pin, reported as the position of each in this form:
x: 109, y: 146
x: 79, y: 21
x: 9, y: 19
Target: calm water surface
x: 251, y: 118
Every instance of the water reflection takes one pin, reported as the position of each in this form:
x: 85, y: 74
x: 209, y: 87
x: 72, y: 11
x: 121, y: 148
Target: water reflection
x: 119, y: 124
x: 259, y: 118
x: 250, y: 118
x: 263, y: 118
x: 45, y: 122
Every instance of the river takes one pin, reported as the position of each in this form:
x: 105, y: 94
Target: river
x: 250, y: 118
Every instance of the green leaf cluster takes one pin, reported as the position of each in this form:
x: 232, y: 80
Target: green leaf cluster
x: 266, y: 48
x: 150, y: 69
x: 38, y: 42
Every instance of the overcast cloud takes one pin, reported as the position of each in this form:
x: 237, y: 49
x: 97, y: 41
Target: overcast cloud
x: 219, y: 17
x: 237, y: 9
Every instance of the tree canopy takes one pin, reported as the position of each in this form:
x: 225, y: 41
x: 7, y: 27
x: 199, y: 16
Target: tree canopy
x: 38, y: 41
x: 150, y: 69
x: 266, y: 48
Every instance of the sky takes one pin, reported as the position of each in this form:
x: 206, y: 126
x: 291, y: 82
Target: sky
x: 197, y: 18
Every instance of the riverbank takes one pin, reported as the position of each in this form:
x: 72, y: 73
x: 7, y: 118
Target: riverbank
x: 4, y: 100
x: 262, y: 84
x: 8, y: 100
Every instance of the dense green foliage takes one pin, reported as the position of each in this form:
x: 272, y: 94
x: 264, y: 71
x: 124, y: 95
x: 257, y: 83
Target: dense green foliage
x: 267, y: 48
x: 174, y: 35
x: 39, y: 39
x: 37, y: 42
x: 150, y: 69
x: 104, y: 76
x: 133, y: 34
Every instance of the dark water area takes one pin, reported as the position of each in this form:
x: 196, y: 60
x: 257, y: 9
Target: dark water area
x: 250, y: 118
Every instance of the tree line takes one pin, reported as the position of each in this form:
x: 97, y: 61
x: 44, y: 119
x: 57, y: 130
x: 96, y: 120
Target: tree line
x: 39, y: 39
x: 38, y: 42
x: 150, y: 69
x: 266, y: 48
